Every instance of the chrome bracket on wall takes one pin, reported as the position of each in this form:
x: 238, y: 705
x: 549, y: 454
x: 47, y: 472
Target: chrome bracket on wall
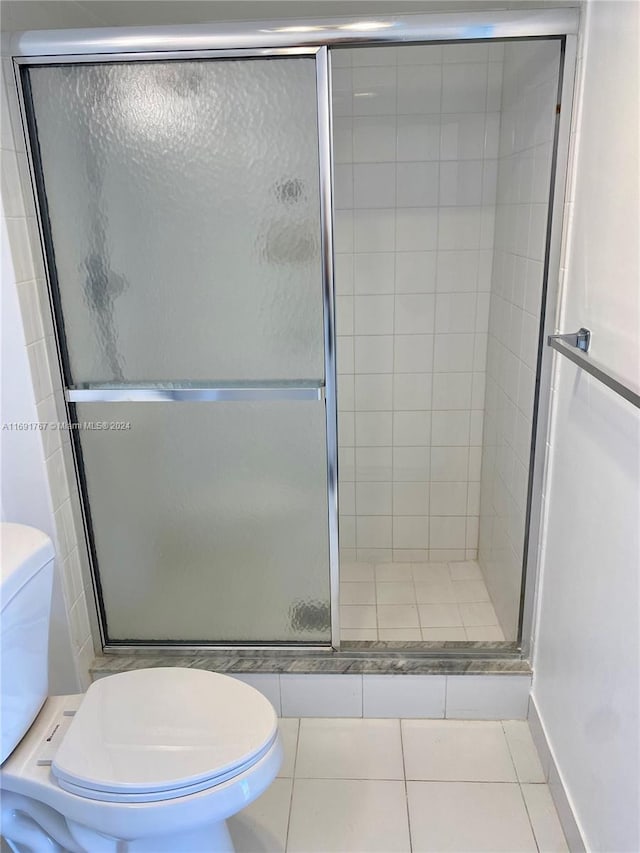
x: 580, y: 340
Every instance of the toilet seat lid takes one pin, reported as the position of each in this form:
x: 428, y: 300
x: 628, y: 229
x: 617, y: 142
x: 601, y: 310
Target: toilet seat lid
x: 154, y: 730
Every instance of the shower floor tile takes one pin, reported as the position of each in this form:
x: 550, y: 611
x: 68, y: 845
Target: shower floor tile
x: 416, y: 601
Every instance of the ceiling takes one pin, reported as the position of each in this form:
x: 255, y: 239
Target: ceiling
x: 17, y: 15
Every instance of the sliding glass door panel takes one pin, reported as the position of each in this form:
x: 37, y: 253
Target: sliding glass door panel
x: 181, y: 207
x: 184, y: 210
x: 210, y: 520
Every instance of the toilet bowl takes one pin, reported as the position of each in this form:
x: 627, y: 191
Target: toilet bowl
x: 147, y: 761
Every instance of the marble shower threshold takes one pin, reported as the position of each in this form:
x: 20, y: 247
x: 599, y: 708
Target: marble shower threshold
x: 373, y: 657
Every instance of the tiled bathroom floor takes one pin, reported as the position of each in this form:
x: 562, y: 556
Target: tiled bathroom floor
x: 447, y: 786
x: 416, y: 601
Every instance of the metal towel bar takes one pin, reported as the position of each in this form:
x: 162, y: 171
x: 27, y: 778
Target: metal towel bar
x: 575, y: 347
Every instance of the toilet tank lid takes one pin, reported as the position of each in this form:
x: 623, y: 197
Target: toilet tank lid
x: 24, y: 551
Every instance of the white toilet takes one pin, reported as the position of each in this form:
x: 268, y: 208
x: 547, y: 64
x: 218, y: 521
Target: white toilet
x: 148, y: 761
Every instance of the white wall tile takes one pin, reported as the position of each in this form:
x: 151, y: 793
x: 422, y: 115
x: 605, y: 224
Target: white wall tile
x: 321, y: 695
x: 374, y: 139
x: 267, y: 684
x: 374, y: 499
x: 410, y: 532
x: 488, y: 697
x: 373, y: 230
x: 411, y: 429
x: 373, y: 315
x: 410, y: 499
x: 413, y: 354
x: 447, y: 532
x: 417, y: 184
x: 374, y: 185
x: 373, y: 464
x: 450, y: 428
x: 416, y: 229
x: 414, y: 313
x: 407, y: 157
x: 374, y: 273
x: 449, y: 464
x: 418, y: 138
x: 374, y: 91
x: 373, y: 392
x: 461, y: 182
x: 451, y: 391
x: 464, y: 88
x: 454, y: 353
x: 411, y: 464
x: 412, y: 391
x: 448, y: 499
x: 373, y: 531
x: 419, y: 89
x: 405, y: 696
x: 374, y: 429
x: 374, y: 353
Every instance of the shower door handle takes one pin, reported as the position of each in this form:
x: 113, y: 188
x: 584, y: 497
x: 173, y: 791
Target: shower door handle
x: 193, y: 393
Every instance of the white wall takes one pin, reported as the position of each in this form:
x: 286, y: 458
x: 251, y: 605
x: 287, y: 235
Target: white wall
x: 416, y: 142
x: 586, y: 661
x: 25, y: 490
x: 35, y: 465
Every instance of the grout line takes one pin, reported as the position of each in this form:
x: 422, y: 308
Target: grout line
x: 406, y: 790
x: 526, y: 808
x: 293, y: 782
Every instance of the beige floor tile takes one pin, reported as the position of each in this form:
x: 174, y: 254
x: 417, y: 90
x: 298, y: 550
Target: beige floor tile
x: 396, y: 593
x: 262, y: 826
x: 439, y: 616
x: 435, y: 592
x: 487, y: 633
x: 357, y: 593
x: 470, y: 591
x: 289, y: 733
x: 477, y: 615
x: 467, y: 571
x: 544, y: 819
x: 434, y: 572
x: 443, y: 634
x: 523, y: 751
x: 358, y: 635
x: 356, y: 572
x: 454, y: 750
x: 405, y: 635
x: 398, y: 616
x: 358, y: 616
x: 349, y: 749
x: 393, y: 572
x: 345, y: 816
x: 468, y: 817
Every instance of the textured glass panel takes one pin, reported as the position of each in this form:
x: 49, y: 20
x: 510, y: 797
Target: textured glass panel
x: 210, y: 520
x: 184, y: 207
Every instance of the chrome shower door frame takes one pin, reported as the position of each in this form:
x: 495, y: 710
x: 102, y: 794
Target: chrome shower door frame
x: 271, y: 38
x: 224, y: 392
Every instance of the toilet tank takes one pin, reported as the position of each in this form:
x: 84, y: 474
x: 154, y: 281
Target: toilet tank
x: 26, y: 579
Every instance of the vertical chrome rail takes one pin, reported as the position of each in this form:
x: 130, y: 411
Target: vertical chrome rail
x: 326, y: 224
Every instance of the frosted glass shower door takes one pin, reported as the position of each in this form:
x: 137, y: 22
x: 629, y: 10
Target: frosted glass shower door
x: 182, y: 217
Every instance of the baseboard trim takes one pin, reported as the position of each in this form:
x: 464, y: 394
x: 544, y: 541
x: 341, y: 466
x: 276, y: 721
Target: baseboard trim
x: 561, y: 799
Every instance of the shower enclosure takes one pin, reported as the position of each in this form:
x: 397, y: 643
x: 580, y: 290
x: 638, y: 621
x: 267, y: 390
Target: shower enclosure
x: 203, y: 213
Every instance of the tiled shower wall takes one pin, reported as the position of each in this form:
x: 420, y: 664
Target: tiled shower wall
x: 524, y: 167
x: 416, y: 132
